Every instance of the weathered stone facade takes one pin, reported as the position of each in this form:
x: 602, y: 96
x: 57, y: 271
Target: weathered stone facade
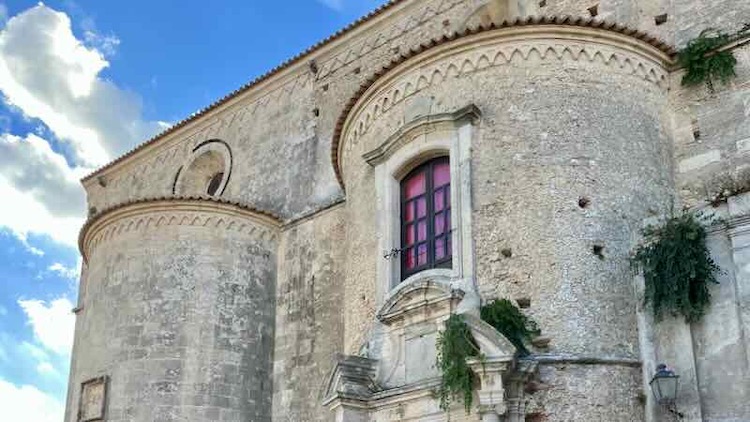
x: 271, y: 299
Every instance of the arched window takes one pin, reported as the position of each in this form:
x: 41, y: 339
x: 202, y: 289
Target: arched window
x: 426, y: 218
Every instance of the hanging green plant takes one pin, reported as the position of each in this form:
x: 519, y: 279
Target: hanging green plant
x: 705, y: 62
x: 455, y: 344
x: 510, y: 322
x: 677, y: 267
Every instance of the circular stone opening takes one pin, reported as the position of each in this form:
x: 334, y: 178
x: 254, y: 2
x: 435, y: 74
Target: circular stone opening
x: 207, y: 172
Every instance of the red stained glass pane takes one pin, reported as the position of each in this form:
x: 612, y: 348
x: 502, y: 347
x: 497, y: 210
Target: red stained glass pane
x: 439, y: 199
x: 415, y: 185
x: 409, y: 234
x: 439, y: 223
x: 439, y: 248
x: 409, y: 260
x: 422, y: 230
x: 421, y: 254
x: 409, y: 211
x: 421, y: 207
x: 441, y: 174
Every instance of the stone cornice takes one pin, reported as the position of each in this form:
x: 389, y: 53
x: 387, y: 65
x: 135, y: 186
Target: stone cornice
x: 144, y: 214
x: 575, y: 39
x: 418, y: 126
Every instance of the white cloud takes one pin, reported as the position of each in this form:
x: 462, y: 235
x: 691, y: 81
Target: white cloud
x: 46, y: 368
x: 63, y: 271
x: 107, y: 44
x: 53, y: 323
x: 49, y: 74
x: 24, y: 214
x: 33, y: 168
x: 28, y: 404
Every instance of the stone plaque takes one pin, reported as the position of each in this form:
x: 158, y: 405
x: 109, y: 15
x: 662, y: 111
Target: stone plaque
x: 93, y: 398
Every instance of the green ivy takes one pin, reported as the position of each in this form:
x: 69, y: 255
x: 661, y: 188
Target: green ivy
x: 455, y: 344
x: 704, y: 62
x: 677, y: 267
x: 511, y: 322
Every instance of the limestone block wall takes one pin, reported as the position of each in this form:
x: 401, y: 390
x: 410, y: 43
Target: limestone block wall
x: 711, y: 131
x: 281, y: 129
x: 559, y: 123
x: 309, y: 317
x: 600, y: 119
x: 711, y: 355
x: 177, y: 311
x: 290, y: 117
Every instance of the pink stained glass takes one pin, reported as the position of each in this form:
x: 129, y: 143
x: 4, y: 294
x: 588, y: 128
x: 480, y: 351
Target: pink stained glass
x: 441, y: 174
x: 415, y: 185
x: 448, y: 221
x: 421, y: 254
x: 409, y: 234
x: 439, y: 201
x: 421, y: 207
x: 439, y: 223
x: 409, y: 258
x: 422, y: 230
x: 439, y: 248
x: 409, y: 211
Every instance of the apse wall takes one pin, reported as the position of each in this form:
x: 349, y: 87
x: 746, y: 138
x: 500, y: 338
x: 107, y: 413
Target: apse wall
x: 177, y: 312
x: 565, y: 163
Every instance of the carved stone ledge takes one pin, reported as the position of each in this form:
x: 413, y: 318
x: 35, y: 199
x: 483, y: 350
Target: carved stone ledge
x: 419, y: 126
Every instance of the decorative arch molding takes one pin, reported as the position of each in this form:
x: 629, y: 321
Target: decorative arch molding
x: 148, y: 214
x: 422, y: 292
x: 206, y: 161
x: 612, y: 46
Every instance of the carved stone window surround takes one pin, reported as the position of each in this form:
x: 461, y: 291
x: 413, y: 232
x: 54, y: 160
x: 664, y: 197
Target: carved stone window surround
x: 423, y: 138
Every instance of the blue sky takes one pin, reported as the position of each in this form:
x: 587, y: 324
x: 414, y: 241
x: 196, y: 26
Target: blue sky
x: 82, y: 82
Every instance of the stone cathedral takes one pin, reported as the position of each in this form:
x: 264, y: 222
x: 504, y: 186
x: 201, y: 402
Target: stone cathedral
x: 292, y: 251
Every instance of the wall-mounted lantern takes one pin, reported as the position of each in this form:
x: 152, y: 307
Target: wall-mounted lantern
x: 664, y: 386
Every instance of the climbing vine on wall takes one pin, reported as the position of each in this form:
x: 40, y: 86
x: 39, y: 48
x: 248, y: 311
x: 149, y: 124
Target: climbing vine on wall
x: 677, y: 267
x: 510, y: 322
x: 705, y: 62
x: 456, y: 344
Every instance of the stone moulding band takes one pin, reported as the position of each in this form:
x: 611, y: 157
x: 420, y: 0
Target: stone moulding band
x: 201, y: 211
x: 546, y: 359
x: 544, y: 39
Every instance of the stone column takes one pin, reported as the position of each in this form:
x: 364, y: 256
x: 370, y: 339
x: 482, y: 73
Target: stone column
x: 491, y: 391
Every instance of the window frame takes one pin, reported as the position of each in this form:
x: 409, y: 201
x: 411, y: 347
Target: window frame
x: 428, y: 167
x: 423, y: 138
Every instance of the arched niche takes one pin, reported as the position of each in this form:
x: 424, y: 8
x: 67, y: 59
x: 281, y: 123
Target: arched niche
x: 206, y: 171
